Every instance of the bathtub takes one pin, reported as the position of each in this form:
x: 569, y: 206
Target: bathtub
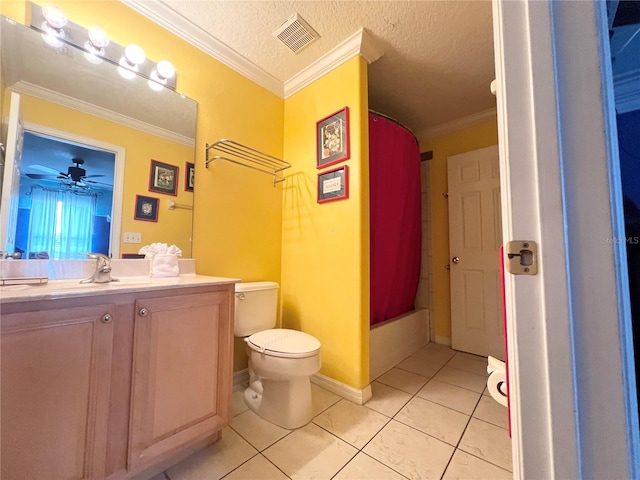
x: 397, y: 338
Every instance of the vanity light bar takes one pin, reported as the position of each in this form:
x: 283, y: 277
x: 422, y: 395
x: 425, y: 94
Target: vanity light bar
x: 78, y: 36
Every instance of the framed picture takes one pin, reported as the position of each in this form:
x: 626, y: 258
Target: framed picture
x: 333, y: 185
x: 131, y: 256
x: 164, y: 178
x: 146, y: 208
x: 332, y: 138
x: 189, y: 177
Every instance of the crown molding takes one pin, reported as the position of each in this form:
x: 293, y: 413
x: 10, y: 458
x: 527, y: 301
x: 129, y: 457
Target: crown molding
x: 183, y: 28
x: 360, y: 43
x: 458, y: 124
x: 627, y: 91
x: 70, y: 102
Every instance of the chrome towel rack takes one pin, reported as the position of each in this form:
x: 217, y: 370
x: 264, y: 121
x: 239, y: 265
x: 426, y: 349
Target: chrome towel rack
x: 247, y: 157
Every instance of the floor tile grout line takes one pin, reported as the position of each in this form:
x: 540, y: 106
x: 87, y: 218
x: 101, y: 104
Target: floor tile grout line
x: 388, y: 420
x: 484, y: 460
x: 455, y: 449
x: 448, y: 407
x: 268, y: 460
x: 489, y: 423
x: 236, y: 468
x: 343, y: 440
x: 256, y: 448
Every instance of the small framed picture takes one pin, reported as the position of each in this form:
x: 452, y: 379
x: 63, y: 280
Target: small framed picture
x: 333, y: 185
x: 332, y: 138
x: 146, y: 208
x: 131, y: 256
x: 189, y: 176
x: 164, y: 178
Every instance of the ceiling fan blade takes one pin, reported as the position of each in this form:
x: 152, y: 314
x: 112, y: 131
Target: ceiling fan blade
x: 93, y: 176
x: 40, y: 176
x: 44, y: 168
x: 99, y: 183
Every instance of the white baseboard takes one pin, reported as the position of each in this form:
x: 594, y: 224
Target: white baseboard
x: 443, y: 340
x: 345, y: 391
x: 241, y: 377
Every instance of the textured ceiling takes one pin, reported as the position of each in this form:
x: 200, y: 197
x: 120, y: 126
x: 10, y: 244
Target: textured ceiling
x: 437, y: 60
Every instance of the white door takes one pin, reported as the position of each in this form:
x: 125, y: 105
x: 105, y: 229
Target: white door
x: 11, y: 177
x: 475, y: 236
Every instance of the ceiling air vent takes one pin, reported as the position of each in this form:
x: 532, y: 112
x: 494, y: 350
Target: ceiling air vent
x: 296, y: 33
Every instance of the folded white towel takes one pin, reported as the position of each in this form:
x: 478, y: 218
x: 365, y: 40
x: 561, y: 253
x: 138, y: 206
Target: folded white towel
x: 164, y: 265
x: 158, y: 249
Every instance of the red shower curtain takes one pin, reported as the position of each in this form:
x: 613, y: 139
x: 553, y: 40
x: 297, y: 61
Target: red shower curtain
x: 395, y: 219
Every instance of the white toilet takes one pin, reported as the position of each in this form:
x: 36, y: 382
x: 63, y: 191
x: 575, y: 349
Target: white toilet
x: 281, y: 361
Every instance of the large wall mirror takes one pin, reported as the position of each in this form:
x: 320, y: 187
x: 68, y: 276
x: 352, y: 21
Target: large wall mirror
x: 93, y: 161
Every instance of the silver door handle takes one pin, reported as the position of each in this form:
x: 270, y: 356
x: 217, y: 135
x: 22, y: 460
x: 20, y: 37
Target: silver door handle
x: 455, y: 260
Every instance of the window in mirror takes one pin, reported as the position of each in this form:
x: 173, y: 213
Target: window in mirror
x: 65, y: 203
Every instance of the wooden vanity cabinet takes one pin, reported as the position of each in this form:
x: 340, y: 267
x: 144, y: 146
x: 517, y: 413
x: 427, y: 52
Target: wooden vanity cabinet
x: 54, y: 384
x: 113, y: 385
x: 181, y: 384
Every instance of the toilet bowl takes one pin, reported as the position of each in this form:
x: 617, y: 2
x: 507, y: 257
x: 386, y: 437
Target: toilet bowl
x: 281, y: 361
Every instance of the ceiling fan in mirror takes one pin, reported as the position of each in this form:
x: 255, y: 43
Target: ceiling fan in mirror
x: 76, y: 176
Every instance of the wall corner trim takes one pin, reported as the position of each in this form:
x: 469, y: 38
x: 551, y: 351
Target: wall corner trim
x: 460, y: 123
x: 37, y: 91
x: 178, y: 25
x: 360, y: 43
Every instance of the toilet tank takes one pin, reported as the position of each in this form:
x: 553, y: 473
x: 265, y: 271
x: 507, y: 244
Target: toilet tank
x: 256, y: 307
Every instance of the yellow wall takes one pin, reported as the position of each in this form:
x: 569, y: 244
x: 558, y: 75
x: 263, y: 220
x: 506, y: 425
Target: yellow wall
x: 237, y: 230
x: 239, y: 227
x: 325, y: 247
x: 464, y: 140
x: 173, y: 226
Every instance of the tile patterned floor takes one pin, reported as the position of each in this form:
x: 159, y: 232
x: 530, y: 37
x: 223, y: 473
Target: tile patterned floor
x: 430, y: 417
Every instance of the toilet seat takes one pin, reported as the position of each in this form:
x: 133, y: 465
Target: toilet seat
x: 284, y: 342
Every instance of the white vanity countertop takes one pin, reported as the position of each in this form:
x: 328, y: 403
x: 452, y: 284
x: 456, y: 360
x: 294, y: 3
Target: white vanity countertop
x: 72, y: 287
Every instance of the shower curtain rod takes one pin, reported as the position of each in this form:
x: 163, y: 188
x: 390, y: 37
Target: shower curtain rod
x: 396, y: 121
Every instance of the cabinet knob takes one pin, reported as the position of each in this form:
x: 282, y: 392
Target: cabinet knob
x: 107, y: 318
x: 143, y: 312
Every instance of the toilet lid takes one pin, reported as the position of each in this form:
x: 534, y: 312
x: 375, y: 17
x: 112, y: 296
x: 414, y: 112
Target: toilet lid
x: 283, y: 342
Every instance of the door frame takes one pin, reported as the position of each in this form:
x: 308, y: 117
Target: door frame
x: 569, y: 327
x: 118, y: 175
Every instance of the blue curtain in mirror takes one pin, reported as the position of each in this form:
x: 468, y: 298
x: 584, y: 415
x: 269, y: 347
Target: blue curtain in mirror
x: 61, y: 224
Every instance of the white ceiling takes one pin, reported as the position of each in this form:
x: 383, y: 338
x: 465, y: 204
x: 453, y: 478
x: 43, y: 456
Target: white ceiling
x: 437, y: 56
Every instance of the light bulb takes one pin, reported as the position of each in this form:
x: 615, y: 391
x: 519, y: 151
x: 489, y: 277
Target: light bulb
x: 155, y: 84
x: 54, y: 16
x: 134, y: 54
x: 53, y: 26
x: 158, y: 78
x: 165, y: 69
x: 125, y: 70
x: 94, y: 47
x: 98, y: 37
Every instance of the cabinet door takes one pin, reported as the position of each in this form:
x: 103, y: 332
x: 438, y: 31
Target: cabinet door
x: 181, y: 372
x: 55, y: 392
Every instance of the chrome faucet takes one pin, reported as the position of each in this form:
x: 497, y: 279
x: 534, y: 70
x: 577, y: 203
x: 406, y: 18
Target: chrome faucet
x: 16, y: 255
x: 102, y: 274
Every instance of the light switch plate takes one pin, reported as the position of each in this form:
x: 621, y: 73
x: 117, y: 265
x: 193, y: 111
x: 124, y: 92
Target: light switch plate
x: 132, y: 237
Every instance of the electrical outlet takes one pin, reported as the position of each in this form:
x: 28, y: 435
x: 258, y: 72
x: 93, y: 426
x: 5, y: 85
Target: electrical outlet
x: 132, y: 237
